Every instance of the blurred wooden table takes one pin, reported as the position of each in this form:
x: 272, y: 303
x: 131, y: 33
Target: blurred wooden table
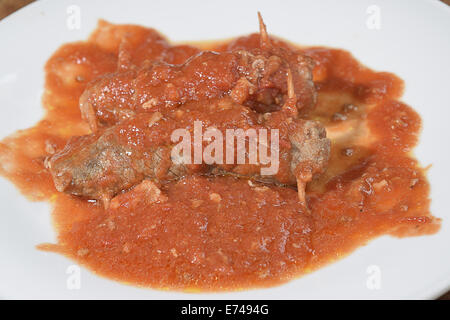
x: 9, y: 6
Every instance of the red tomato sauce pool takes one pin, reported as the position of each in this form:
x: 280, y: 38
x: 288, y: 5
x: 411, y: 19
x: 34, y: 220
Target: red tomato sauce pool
x: 223, y: 233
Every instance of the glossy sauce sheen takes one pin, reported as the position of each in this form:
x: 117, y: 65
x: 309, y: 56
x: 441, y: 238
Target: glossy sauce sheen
x: 222, y: 233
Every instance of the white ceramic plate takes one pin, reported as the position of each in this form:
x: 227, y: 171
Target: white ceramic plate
x: 412, y: 41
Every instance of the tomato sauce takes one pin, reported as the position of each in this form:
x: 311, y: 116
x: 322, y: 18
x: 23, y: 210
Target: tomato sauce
x: 223, y: 233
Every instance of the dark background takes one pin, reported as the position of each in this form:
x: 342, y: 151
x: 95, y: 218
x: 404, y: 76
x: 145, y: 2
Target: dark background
x: 9, y: 6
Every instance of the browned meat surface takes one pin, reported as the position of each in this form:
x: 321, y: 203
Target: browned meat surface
x: 103, y: 164
x: 254, y: 78
x: 134, y: 111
